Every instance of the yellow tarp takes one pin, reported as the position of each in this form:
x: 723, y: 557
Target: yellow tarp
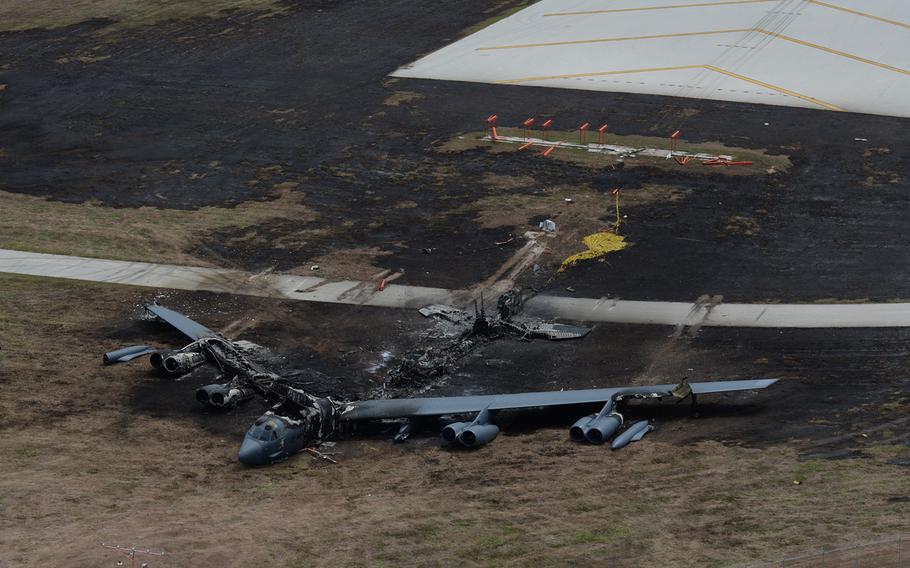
x: 599, y: 244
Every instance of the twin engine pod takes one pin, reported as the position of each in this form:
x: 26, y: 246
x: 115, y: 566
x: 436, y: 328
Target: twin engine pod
x: 177, y: 362
x: 223, y: 395
x: 596, y: 428
x: 472, y: 434
x: 600, y: 427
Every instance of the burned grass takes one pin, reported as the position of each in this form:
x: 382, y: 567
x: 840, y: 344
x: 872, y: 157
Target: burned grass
x: 21, y: 15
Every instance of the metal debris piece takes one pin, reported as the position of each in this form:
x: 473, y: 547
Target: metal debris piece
x: 548, y: 225
x: 317, y: 454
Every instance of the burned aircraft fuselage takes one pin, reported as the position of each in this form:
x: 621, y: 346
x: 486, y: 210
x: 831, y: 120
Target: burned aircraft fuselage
x: 288, y: 429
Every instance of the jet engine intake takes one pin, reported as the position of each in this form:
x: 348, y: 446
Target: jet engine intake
x: 223, y: 395
x: 182, y: 362
x: 603, y: 427
x: 204, y: 394
x: 477, y: 435
x: 578, y: 430
x: 157, y: 358
x: 450, y: 433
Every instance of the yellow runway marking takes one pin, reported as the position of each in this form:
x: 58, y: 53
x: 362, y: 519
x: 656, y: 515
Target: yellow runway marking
x: 667, y: 7
x: 828, y: 106
x: 836, y: 52
x: 678, y: 68
x: 861, y: 14
x: 611, y: 39
x: 730, y: 3
x: 597, y: 74
x: 705, y: 33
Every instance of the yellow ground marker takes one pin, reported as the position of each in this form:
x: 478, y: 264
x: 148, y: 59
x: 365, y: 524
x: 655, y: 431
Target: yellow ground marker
x: 782, y: 90
x: 612, y: 39
x: 599, y: 244
x: 666, y: 7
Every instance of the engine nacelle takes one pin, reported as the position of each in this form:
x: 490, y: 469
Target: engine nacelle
x: 603, y: 427
x: 223, y: 396
x: 450, y: 433
x: 477, y: 435
x: 157, y: 358
x: 204, y: 394
x: 578, y: 430
x: 182, y: 362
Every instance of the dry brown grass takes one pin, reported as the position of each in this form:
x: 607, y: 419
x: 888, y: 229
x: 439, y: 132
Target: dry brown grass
x: 144, y: 233
x: 99, y: 472
x: 18, y: 15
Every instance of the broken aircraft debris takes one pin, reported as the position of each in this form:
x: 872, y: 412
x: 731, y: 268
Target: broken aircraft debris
x: 299, y: 421
x: 507, y: 319
x: 465, y: 332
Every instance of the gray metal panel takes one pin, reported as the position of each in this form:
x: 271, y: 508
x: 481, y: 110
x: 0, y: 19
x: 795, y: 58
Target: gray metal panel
x: 397, y: 408
x: 185, y: 325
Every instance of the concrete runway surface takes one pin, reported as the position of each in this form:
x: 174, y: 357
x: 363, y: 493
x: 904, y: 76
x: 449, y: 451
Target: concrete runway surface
x: 702, y: 312
x: 776, y: 52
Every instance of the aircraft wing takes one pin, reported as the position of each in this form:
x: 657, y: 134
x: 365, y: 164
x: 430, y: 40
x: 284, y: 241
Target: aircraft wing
x: 183, y: 324
x: 408, y: 407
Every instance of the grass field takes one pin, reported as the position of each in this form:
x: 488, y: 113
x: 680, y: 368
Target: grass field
x: 762, y: 161
x: 144, y: 233
x: 84, y: 465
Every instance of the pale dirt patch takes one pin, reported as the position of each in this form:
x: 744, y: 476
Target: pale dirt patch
x: 359, y: 264
x: 741, y: 225
x: 589, y: 211
x: 763, y: 163
x: 399, y: 98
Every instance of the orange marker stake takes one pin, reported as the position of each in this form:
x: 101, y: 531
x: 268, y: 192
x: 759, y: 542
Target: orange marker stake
x: 546, y: 126
x: 674, y: 141
x: 581, y: 132
x: 546, y: 153
x: 528, y: 124
x: 602, y: 134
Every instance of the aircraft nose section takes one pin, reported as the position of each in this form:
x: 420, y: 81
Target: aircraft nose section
x: 251, y: 452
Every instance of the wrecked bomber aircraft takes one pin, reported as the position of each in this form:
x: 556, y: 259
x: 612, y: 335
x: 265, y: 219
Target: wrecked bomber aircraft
x: 299, y: 420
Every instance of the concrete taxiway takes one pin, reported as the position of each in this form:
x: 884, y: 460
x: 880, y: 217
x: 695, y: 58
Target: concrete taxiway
x: 703, y: 312
x: 777, y: 52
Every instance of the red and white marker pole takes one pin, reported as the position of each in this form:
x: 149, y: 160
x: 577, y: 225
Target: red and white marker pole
x: 581, y: 132
x: 491, y: 125
x: 602, y: 134
x: 546, y: 126
x: 528, y: 123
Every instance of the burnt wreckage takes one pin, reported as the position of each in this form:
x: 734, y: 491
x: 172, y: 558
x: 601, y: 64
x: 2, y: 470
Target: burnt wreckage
x: 299, y: 420
x: 465, y: 332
